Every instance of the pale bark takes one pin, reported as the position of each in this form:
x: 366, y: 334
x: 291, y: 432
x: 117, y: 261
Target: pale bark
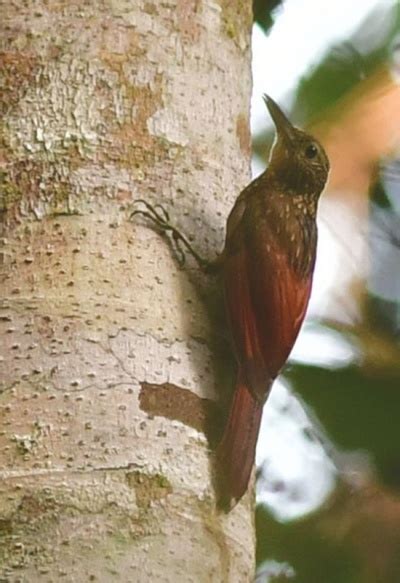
x: 108, y: 364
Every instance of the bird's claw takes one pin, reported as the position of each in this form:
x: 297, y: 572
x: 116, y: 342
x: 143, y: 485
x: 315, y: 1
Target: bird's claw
x: 160, y: 217
x: 180, y: 254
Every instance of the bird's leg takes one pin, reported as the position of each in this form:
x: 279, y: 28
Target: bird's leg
x: 160, y: 218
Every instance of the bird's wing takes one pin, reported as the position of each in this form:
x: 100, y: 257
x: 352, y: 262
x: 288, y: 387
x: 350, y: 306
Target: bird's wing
x: 266, y: 303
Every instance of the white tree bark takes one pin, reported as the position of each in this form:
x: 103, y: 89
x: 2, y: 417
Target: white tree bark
x: 108, y: 371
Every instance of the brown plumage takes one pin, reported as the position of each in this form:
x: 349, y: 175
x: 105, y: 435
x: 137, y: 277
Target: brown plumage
x: 267, y: 265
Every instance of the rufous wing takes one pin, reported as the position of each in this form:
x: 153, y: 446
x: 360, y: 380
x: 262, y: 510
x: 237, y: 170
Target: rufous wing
x: 266, y: 303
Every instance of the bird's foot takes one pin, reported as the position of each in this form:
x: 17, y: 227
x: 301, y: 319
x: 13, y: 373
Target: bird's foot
x: 160, y: 218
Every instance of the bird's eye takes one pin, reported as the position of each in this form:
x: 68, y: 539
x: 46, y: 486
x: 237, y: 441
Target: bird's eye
x: 311, y: 151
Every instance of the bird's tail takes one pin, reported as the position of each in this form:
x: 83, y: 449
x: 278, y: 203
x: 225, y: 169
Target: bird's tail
x: 236, y: 451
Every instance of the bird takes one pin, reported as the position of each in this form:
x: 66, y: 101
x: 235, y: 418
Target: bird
x: 266, y: 267
x: 267, y: 270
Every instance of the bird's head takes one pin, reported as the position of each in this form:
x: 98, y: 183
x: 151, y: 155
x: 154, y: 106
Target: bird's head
x: 297, y: 159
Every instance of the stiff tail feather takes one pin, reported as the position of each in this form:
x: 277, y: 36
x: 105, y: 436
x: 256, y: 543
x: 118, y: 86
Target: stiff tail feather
x: 236, y: 451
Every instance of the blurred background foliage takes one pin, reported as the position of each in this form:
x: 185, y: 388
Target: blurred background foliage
x: 348, y: 389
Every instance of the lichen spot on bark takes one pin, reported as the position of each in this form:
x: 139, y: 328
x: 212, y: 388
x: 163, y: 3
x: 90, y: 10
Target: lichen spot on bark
x: 243, y: 134
x: 237, y: 17
x: 179, y: 404
x: 148, y: 487
x: 188, y: 20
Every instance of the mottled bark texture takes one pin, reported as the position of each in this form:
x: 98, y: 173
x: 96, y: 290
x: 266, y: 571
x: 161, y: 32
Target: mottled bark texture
x: 108, y: 353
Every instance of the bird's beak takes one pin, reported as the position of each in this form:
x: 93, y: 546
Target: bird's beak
x: 284, y: 128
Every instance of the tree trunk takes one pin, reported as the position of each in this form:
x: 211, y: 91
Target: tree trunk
x: 109, y: 369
